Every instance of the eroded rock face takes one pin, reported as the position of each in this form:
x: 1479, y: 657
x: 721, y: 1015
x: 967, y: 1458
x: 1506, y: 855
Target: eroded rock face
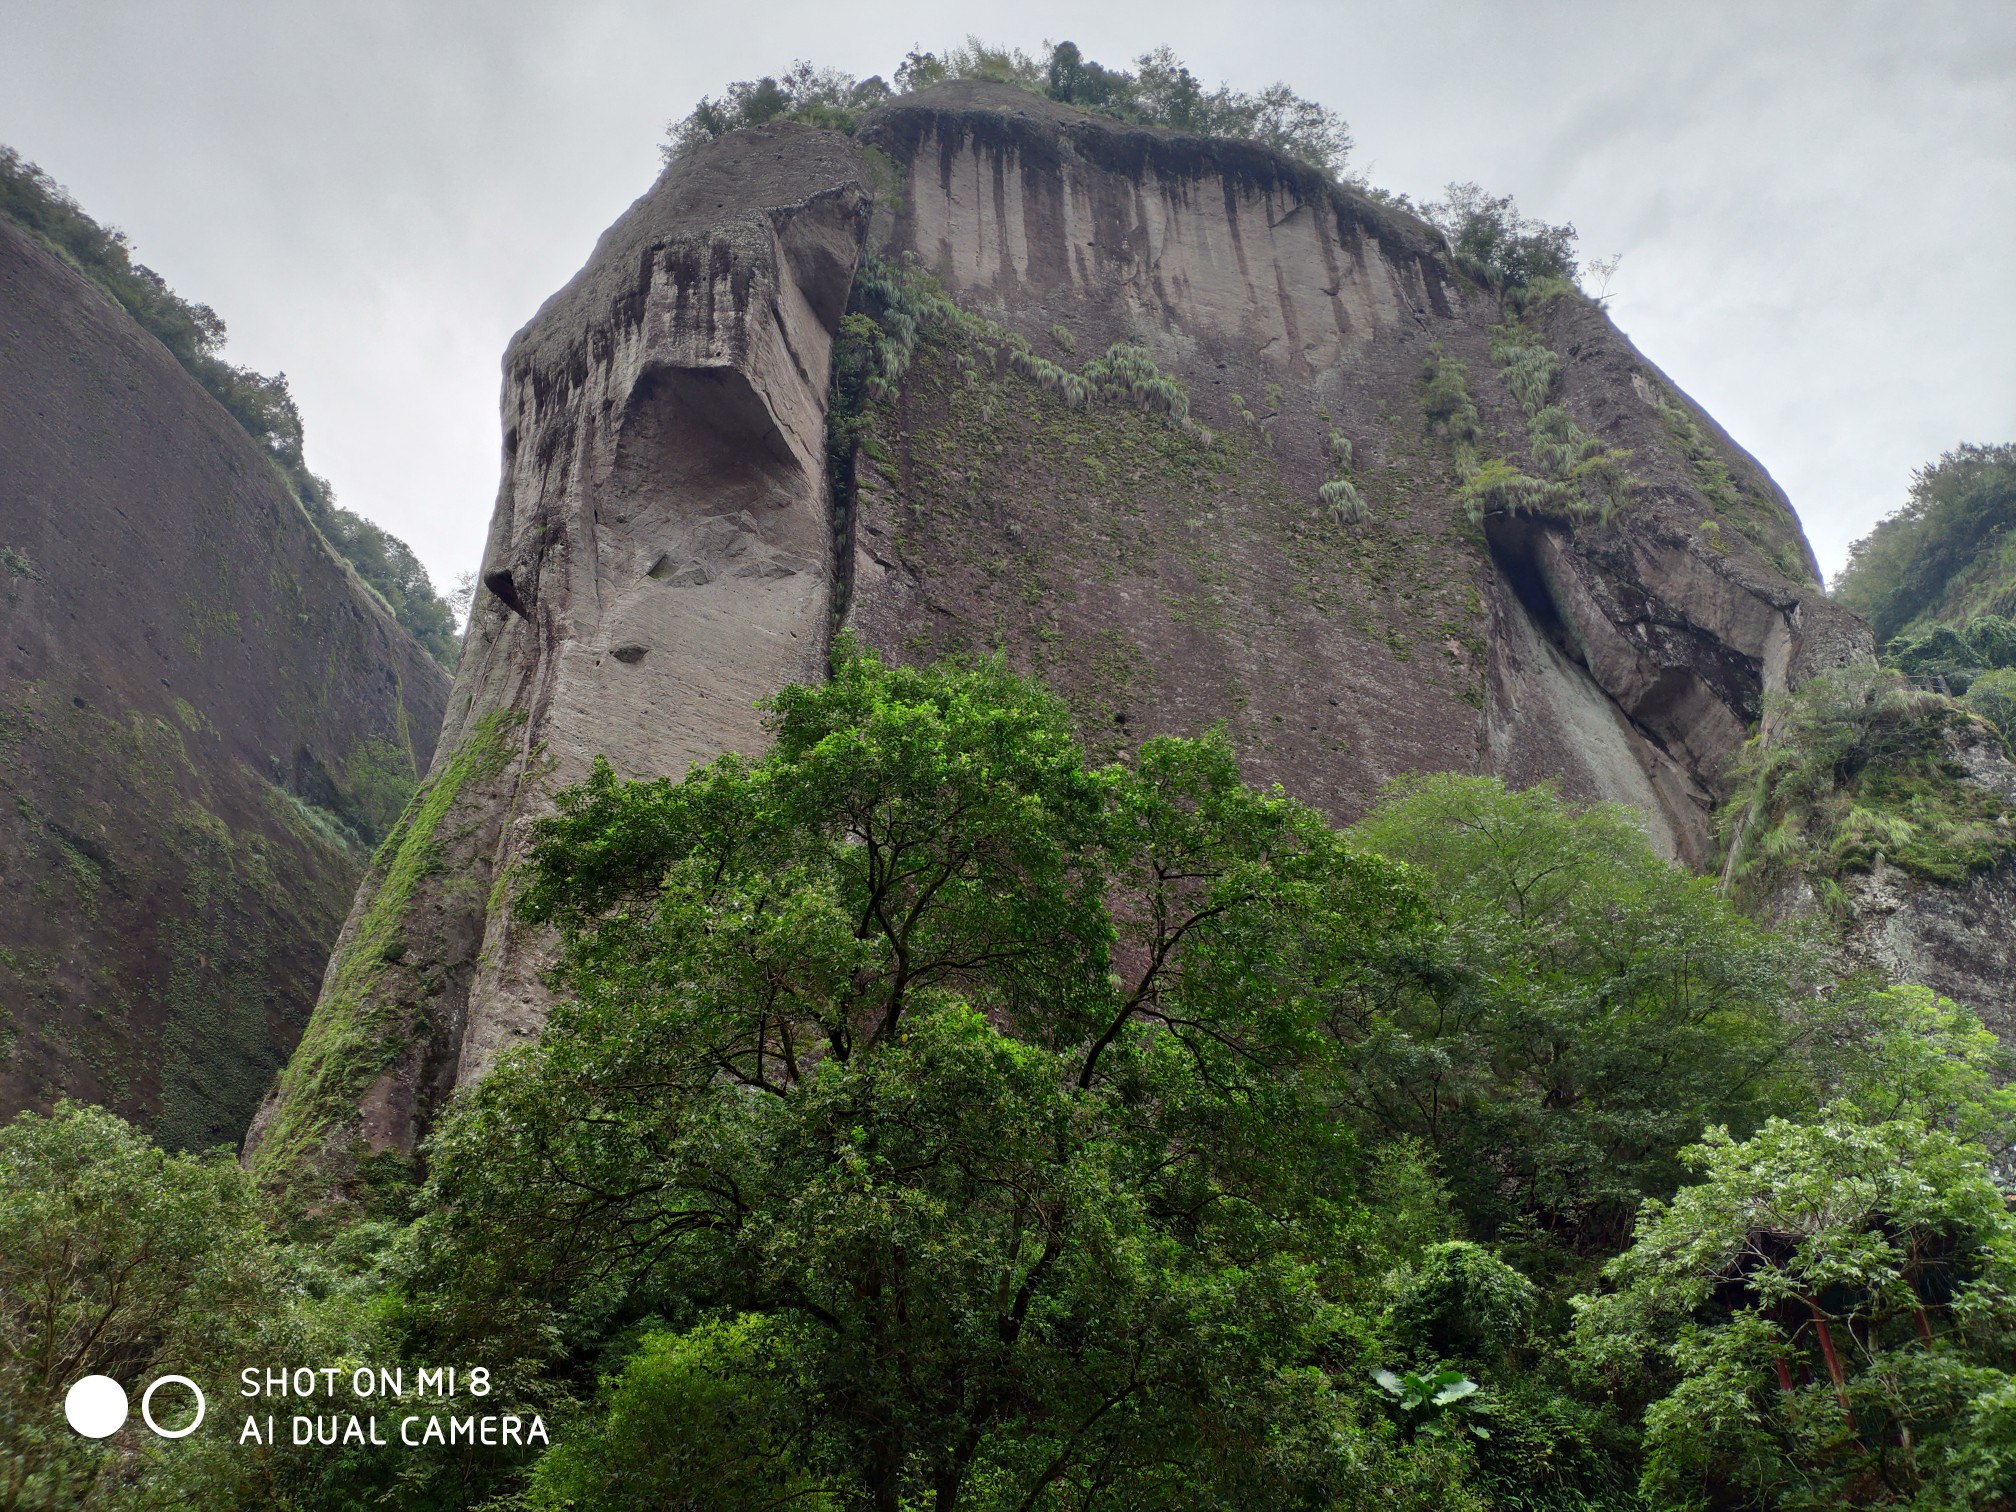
x: 1626, y: 662
x: 666, y: 550
x: 204, y: 718
x: 660, y: 559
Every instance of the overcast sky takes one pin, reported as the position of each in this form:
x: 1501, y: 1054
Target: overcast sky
x: 1815, y: 199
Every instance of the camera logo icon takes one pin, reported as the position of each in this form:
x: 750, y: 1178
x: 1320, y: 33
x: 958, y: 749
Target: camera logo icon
x: 96, y: 1406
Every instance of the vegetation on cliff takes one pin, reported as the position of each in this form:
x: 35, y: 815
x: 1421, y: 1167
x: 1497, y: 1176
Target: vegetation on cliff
x: 1862, y: 765
x: 932, y: 1117
x: 194, y: 335
x: 1870, y: 763
x: 1158, y: 91
x: 1937, y: 581
x: 1948, y: 556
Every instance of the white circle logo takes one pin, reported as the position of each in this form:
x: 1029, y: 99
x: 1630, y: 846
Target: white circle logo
x: 147, y: 1400
x: 96, y: 1406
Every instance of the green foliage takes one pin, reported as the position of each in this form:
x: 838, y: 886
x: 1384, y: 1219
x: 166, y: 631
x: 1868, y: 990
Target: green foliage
x: 1904, y: 1052
x: 1341, y: 498
x: 1951, y: 658
x: 897, y: 305
x: 194, y: 335
x: 710, y: 1420
x: 1824, y: 1319
x: 1491, y: 242
x: 1460, y: 1302
x: 351, y: 1039
x: 822, y: 97
x: 1584, y: 1009
x: 115, y: 1259
x: 1496, y: 486
x: 1429, y: 1404
x: 1992, y: 695
x: 991, y: 1078
x: 1862, y: 765
x: 1446, y: 401
x: 1948, y: 555
x: 1579, y: 465
x: 1160, y: 91
x: 931, y: 1117
x: 1580, y: 476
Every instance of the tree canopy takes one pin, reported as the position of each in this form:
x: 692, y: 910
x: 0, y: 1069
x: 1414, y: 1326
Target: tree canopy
x: 929, y: 1117
x: 1948, y: 555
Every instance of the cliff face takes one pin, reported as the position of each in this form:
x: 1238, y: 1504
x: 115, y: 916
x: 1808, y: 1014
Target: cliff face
x: 1954, y: 937
x: 1623, y: 662
x: 203, y: 718
x: 670, y: 544
x: 659, y: 559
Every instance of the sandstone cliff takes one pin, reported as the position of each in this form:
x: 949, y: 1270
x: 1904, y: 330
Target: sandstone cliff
x: 671, y: 541
x: 204, y: 716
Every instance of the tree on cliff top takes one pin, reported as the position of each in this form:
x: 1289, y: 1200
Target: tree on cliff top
x: 1160, y: 91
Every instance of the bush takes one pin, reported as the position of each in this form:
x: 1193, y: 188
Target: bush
x: 117, y: 1259
x: 1992, y: 695
x: 1460, y: 1302
x: 1861, y: 766
x: 1491, y: 242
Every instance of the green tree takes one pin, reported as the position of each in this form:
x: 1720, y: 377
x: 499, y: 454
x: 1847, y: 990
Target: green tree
x: 1825, y: 1319
x: 115, y: 1259
x: 1585, y: 1009
x: 1948, y: 554
x: 994, y: 1085
x: 1493, y: 243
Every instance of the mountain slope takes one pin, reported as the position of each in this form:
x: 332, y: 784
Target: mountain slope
x: 205, y: 718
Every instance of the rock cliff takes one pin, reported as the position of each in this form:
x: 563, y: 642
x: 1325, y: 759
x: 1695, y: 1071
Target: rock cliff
x: 205, y: 717
x: 1173, y: 447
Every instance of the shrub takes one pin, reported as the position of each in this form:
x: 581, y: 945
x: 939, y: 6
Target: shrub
x: 1160, y: 91
x: 1340, y: 496
x: 1460, y: 1302
x: 1494, y: 244
x: 1992, y: 695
